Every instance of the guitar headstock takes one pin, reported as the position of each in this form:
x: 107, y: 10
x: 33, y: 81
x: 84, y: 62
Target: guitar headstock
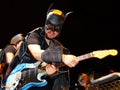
x: 103, y: 53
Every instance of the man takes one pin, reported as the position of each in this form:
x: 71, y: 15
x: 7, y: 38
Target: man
x: 41, y: 46
x: 9, y: 52
x: 12, y: 48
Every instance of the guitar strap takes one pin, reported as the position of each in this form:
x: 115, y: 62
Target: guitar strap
x: 24, y: 46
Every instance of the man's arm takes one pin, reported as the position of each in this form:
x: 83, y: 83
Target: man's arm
x: 52, y: 56
x: 36, y: 51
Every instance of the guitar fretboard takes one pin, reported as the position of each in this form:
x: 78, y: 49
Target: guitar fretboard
x: 85, y: 56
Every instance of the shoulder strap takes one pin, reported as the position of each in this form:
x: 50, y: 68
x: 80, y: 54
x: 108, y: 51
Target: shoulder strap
x: 2, y: 56
x: 23, y: 47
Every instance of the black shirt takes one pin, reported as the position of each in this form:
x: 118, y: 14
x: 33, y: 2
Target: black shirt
x: 37, y: 36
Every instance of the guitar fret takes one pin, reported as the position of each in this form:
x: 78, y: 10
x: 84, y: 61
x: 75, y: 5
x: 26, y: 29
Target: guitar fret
x: 85, y: 56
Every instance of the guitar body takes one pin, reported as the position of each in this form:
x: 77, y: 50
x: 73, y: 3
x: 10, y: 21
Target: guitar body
x: 25, y: 76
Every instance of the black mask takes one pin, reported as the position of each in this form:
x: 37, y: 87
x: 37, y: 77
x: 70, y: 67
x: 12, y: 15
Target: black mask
x: 53, y: 28
x: 54, y: 20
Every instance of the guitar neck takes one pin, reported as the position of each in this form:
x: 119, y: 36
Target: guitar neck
x: 85, y: 56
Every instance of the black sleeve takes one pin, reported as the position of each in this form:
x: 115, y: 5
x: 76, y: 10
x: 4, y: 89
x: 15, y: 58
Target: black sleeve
x: 33, y: 38
x: 10, y: 48
x: 52, y: 54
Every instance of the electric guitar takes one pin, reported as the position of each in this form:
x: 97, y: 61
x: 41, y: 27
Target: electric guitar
x: 23, y: 78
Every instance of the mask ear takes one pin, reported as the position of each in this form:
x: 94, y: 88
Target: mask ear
x: 67, y: 14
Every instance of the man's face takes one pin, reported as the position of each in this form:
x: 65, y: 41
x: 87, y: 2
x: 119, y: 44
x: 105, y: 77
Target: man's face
x: 51, y: 33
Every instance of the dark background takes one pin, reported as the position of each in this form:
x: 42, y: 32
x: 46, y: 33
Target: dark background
x: 93, y: 25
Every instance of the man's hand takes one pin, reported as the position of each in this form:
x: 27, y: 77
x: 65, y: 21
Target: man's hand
x: 51, y: 69
x: 70, y: 60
